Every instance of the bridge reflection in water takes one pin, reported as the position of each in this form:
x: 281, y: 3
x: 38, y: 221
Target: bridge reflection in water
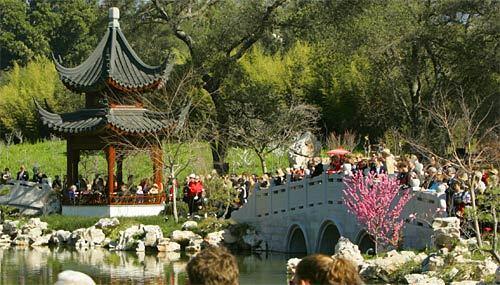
x: 309, y: 216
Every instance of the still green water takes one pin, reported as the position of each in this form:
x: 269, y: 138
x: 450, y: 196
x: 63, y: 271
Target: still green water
x: 41, y: 266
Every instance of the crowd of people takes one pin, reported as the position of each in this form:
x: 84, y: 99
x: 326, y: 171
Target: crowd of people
x: 442, y: 177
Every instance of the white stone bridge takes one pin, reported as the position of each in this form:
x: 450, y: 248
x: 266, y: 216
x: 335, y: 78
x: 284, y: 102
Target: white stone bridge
x: 309, y: 216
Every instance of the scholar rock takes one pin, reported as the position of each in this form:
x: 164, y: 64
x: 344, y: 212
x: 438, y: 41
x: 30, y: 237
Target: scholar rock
x: 346, y: 249
x: 304, y: 147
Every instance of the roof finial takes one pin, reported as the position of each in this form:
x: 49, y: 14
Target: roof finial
x: 114, y: 15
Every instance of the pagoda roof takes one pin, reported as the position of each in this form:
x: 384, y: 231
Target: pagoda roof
x: 114, y: 65
x: 130, y: 120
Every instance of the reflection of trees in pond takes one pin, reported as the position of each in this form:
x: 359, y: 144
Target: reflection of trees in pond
x: 41, y: 266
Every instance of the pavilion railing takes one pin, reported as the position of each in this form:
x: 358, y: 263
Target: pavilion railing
x: 96, y: 199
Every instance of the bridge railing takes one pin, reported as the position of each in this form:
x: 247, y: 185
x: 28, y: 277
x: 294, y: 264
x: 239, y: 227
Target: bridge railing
x: 296, y: 195
x: 326, y: 189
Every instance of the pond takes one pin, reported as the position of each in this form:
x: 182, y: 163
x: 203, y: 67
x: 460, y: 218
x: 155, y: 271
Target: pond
x: 41, y: 266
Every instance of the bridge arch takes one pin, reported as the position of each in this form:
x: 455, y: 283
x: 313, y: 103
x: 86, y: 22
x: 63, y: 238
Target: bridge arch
x: 297, y: 239
x: 328, y: 236
x: 365, y: 242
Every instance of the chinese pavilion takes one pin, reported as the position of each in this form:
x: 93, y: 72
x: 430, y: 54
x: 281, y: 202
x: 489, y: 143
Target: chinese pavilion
x: 114, y: 117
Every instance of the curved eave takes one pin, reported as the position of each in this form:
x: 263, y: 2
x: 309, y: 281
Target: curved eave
x: 115, y: 65
x: 56, y: 123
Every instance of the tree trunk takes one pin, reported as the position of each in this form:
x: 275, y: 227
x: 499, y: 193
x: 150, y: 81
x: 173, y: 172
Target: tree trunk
x: 218, y: 145
x: 263, y: 164
x: 219, y: 154
x: 494, y: 249
x: 174, y: 197
x: 475, y: 217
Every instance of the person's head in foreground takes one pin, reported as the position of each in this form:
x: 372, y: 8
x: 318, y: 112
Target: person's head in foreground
x: 319, y: 269
x: 213, y: 266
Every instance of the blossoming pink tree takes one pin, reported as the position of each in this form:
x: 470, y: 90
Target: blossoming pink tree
x: 377, y: 203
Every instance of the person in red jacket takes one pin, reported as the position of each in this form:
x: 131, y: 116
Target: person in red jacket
x: 195, y: 193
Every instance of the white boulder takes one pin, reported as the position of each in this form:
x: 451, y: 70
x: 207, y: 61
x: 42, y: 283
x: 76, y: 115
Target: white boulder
x: 184, y: 237
x: 346, y: 249
x: 291, y: 264
x: 152, y: 234
x: 189, y: 225
x: 165, y: 245
x: 106, y: 223
x: 41, y: 240
x: 94, y: 235
x: 446, y: 232
x: 214, y: 239
x: 70, y: 277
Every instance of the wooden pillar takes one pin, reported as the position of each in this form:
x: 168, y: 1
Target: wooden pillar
x: 119, y: 169
x: 72, y: 159
x: 157, y: 158
x: 110, y: 157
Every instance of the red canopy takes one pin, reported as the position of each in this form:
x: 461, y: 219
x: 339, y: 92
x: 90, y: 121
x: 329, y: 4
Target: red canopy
x: 338, y: 151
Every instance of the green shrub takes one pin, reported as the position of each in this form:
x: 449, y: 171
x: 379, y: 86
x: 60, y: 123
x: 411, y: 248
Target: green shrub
x: 4, y: 191
x: 68, y: 223
x: 411, y: 267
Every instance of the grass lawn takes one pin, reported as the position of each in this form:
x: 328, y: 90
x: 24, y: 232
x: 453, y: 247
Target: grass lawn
x: 50, y: 157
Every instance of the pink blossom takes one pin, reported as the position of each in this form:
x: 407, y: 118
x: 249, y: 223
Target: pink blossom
x: 377, y: 204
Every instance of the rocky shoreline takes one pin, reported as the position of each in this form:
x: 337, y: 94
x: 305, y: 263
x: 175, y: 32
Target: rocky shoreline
x: 138, y: 238
x: 452, y: 262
